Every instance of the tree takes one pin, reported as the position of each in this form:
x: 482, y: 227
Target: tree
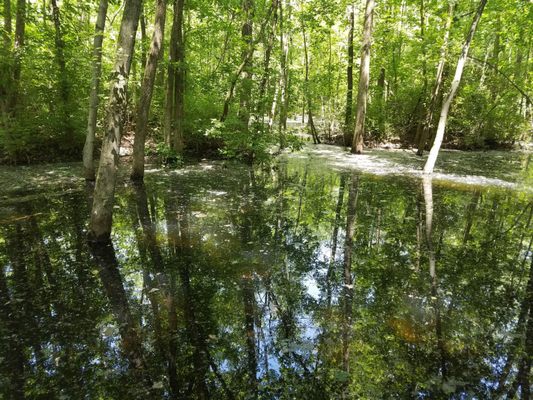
x: 147, y: 88
x: 307, y: 91
x: 88, y: 149
x: 434, y: 152
x: 364, y: 78
x: 5, y: 71
x: 20, y: 33
x: 349, y: 77
x: 247, y: 48
x: 174, y: 108
x: 60, y: 57
x: 427, y: 123
x: 104, y: 192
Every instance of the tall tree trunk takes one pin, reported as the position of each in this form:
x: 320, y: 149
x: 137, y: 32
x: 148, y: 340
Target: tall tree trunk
x: 60, y: 58
x: 364, y: 78
x: 142, y: 23
x: 104, y: 192
x: 268, y: 44
x: 428, y: 121
x: 5, y: 64
x: 307, y: 92
x: 20, y: 29
x: 349, y: 78
x: 7, y: 24
x: 179, y: 93
x: 495, y: 60
x: 88, y: 148
x: 147, y: 87
x: 420, y: 119
x: 171, y: 77
x: 434, y: 152
x: 247, y: 48
x: 284, y: 72
x: 381, y: 99
x: 174, y: 109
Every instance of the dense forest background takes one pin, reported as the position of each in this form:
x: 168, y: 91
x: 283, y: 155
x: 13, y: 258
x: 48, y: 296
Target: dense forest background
x: 241, y: 75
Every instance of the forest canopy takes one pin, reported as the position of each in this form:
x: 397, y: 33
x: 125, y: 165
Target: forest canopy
x: 234, y: 75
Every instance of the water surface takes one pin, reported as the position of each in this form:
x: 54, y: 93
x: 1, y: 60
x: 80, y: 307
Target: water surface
x: 302, y: 280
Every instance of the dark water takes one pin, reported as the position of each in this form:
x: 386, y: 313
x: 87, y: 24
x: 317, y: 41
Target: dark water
x: 224, y: 282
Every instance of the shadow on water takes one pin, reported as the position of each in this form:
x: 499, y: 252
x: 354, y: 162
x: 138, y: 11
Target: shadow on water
x: 297, y: 281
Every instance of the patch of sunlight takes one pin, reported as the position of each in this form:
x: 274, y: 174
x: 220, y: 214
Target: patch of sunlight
x: 406, y: 163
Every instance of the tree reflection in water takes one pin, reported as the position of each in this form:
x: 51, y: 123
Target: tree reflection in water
x: 290, y: 282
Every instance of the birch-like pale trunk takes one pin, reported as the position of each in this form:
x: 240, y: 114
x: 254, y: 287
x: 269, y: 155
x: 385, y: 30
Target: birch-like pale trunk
x: 438, y: 83
x: 364, y: 79
x: 434, y: 152
x: 147, y: 87
x: 104, y: 192
x: 88, y: 148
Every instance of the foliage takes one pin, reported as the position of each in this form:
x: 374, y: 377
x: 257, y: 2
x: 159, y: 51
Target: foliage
x: 492, y: 108
x: 249, y: 145
x: 166, y: 155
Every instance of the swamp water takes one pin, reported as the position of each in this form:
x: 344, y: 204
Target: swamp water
x: 227, y: 282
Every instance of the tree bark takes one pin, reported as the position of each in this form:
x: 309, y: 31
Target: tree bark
x: 147, y: 87
x: 364, y: 78
x: 60, y: 57
x: 268, y: 44
x: 88, y: 148
x: 432, y: 158
x: 247, y: 56
x: 7, y: 24
x: 104, y: 192
x: 422, y: 140
x: 310, y: 121
x: 349, y: 77
x: 285, y: 41
x: 180, y: 81
x: 20, y: 28
x: 420, y: 119
x: 5, y: 64
x: 174, y: 111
